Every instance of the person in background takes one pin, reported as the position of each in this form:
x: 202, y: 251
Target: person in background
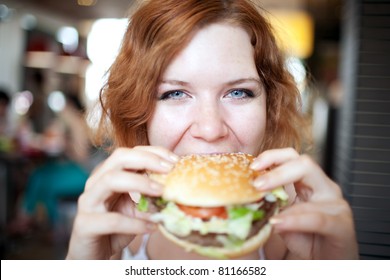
x: 196, y: 77
x: 5, y: 147
x: 5, y: 135
x: 63, y: 174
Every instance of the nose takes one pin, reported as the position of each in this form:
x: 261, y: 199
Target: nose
x: 209, y: 123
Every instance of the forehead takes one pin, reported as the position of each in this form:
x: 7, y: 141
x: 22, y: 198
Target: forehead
x: 215, y: 48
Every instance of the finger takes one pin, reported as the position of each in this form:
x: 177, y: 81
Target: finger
x: 273, y: 157
x: 161, y: 151
x: 131, y: 159
x: 113, y: 183
x: 307, y: 222
x: 130, y: 207
x: 323, y: 219
x: 111, y: 223
x: 136, y: 159
x: 305, y: 174
x: 334, y: 208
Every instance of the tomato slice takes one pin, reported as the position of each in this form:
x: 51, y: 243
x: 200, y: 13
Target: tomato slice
x: 204, y: 213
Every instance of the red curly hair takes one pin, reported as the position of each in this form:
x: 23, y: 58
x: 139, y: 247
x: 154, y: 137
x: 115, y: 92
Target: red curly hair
x: 157, y: 32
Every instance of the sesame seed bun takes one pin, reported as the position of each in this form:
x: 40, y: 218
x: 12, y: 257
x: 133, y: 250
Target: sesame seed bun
x: 210, y: 180
x: 199, y: 186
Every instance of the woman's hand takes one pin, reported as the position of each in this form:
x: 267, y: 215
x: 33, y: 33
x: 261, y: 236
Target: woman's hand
x: 107, y: 219
x: 319, y: 224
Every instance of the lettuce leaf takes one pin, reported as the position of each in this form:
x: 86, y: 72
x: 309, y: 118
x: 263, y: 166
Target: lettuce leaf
x: 241, y: 211
x: 143, y: 204
x: 230, y: 241
x: 282, y: 195
x: 180, y: 224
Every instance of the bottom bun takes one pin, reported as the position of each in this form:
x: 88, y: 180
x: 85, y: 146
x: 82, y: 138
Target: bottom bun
x: 252, y: 244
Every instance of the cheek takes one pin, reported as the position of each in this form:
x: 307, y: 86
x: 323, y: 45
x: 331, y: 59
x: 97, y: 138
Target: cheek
x: 249, y: 127
x: 165, y: 127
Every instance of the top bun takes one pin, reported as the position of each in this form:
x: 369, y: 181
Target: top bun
x: 210, y: 180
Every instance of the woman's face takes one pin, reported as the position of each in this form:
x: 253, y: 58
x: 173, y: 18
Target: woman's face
x: 210, y: 98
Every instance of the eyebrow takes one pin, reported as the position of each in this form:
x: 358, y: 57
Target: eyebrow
x: 175, y: 82
x: 242, y: 81
x: 229, y: 83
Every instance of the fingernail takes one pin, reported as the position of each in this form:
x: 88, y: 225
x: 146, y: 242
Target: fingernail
x: 156, y: 186
x: 174, y: 158
x: 259, y: 183
x: 275, y: 221
x: 255, y: 165
x: 167, y: 165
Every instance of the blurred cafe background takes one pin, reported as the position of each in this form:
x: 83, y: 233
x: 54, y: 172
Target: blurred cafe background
x: 53, y: 57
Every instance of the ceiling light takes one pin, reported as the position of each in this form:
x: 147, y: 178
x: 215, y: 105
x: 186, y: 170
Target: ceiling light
x: 86, y: 2
x: 294, y: 31
x: 69, y: 37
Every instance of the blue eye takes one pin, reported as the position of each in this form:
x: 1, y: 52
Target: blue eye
x: 240, y: 94
x: 175, y: 94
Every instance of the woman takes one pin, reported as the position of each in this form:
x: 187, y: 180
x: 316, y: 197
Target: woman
x: 64, y: 172
x: 204, y: 77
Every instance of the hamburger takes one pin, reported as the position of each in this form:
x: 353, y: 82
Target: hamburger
x: 210, y: 206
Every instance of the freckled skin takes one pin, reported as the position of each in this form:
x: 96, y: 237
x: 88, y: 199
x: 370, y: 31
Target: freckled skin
x: 211, y: 109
